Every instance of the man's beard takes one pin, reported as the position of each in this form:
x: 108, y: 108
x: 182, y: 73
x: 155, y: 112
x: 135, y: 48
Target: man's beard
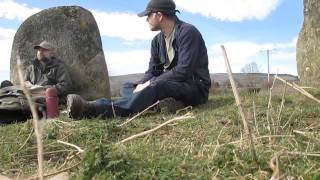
x: 155, y: 28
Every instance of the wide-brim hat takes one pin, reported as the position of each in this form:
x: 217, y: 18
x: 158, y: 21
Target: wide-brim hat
x: 167, y: 6
x: 44, y: 45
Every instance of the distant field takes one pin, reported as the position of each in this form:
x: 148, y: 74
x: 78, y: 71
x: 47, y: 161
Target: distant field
x: 257, y: 79
x: 211, y: 145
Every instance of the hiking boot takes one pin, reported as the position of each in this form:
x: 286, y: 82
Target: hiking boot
x: 78, y: 108
x: 170, y: 104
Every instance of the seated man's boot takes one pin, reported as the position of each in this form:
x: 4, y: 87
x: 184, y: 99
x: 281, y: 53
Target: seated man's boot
x: 79, y: 108
x: 170, y: 104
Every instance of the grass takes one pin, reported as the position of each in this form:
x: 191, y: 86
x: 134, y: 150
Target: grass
x: 213, y: 144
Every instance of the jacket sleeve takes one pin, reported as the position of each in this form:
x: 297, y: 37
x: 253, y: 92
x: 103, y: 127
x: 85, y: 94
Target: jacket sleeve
x: 27, y: 73
x: 188, y: 44
x: 155, y: 67
x: 63, y: 80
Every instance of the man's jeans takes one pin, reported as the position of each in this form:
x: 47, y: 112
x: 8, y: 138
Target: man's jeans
x: 190, y: 93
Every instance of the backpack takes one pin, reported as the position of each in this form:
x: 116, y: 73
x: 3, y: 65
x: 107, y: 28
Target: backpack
x: 14, y: 106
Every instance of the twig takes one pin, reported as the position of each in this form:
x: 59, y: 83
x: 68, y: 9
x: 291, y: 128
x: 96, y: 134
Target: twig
x: 188, y: 108
x: 274, y: 165
x: 126, y: 122
x: 308, y: 135
x: 72, y: 145
x: 186, y: 116
x: 214, y: 177
x: 302, y: 91
x: 238, y: 102
x: 275, y: 160
x: 35, y: 120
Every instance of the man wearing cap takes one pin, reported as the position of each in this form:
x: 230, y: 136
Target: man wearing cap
x: 178, y: 69
x: 46, y: 71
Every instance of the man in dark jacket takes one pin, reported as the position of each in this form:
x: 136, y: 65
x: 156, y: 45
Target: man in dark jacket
x: 46, y: 71
x: 178, y: 69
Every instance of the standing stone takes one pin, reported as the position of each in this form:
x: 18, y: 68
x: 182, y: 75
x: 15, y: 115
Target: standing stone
x: 308, y: 46
x: 74, y: 33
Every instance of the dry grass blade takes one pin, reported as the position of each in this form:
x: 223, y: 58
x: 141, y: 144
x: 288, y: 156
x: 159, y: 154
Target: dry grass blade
x: 134, y: 117
x: 296, y: 87
x: 282, y: 103
x: 35, y: 121
x: 186, y: 116
x: 270, y: 106
x: 25, y: 142
x: 238, y: 102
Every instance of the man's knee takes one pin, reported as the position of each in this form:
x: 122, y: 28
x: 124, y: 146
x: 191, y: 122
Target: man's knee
x: 5, y: 83
x: 127, y: 89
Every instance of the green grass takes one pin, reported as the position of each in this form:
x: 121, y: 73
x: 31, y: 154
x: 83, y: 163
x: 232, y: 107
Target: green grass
x: 200, y: 148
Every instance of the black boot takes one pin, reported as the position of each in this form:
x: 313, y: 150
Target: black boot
x: 79, y: 108
x: 170, y: 104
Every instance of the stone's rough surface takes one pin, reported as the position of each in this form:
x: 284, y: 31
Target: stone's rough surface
x: 308, y: 46
x: 74, y: 33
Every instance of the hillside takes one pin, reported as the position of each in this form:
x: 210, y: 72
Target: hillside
x: 221, y: 78
x: 212, y: 145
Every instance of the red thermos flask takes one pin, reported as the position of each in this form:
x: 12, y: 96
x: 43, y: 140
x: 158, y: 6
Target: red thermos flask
x: 52, y: 102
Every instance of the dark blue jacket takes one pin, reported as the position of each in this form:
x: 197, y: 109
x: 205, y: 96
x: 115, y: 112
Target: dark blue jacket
x: 190, y: 61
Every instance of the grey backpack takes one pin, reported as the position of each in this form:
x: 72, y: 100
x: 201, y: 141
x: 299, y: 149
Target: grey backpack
x: 14, y: 106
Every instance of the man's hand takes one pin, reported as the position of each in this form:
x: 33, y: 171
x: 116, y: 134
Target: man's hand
x: 140, y: 87
x: 28, y: 84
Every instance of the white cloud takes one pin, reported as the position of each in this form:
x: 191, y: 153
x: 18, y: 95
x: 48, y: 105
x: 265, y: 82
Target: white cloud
x: 6, y: 39
x: 230, y: 10
x: 282, y: 56
x: 128, y: 62
x: 12, y: 10
x: 123, y: 25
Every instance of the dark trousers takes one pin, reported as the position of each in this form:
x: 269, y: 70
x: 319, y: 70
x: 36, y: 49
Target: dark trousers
x: 190, y: 93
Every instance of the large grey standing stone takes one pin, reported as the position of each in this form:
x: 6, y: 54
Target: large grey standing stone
x: 75, y: 34
x: 308, y: 46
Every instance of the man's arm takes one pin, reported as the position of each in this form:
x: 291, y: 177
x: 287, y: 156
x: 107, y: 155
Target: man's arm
x: 63, y: 80
x: 189, y: 43
x: 155, y: 67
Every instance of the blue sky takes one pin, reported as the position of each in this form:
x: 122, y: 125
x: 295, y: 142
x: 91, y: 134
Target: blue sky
x: 247, y: 28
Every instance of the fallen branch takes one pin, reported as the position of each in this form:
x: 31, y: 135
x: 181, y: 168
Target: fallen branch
x: 35, y: 118
x: 137, y: 115
x: 186, y: 116
x: 72, y: 145
x: 240, y: 109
